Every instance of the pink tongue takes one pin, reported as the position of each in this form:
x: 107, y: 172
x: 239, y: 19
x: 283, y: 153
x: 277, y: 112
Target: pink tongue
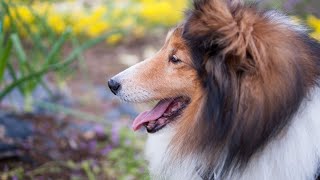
x: 151, y: 115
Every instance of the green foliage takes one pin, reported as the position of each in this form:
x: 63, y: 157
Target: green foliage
x: 125, y: 158
x: 27, y: 66
x: 123, y: 161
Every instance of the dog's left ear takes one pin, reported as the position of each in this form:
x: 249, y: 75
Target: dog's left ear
x: 226, y: 26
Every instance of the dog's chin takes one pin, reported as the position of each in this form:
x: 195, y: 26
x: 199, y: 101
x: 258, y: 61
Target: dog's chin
x: 165, y: 112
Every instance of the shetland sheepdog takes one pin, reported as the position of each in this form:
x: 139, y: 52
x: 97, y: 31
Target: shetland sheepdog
x: 238, y: 96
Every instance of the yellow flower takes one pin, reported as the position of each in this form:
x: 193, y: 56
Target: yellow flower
x: 56, y: 22
x: 162, y: 12
x: 98, y: 13
x: 114, y: 39
x: 91, y: 24
x: 25, y: 14
x: 133, y: 16
x: 314, y: 22
x: 97, y: 28
x: 41, y: 8
x: 6, y: 23
x: 315, y: 35
x: 79, y: 21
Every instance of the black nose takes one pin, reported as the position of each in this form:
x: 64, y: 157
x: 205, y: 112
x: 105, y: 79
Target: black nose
x: 114, y: 86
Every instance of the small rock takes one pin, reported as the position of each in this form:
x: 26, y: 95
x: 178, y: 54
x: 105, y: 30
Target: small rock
x: 89, y: 135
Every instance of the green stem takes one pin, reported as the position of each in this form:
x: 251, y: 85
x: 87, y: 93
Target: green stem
x: 54, y: 67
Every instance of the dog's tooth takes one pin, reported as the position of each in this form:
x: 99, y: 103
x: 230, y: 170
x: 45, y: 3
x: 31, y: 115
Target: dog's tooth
x: 174, y: 108
x: 150, y: 126
x: 169, y: 114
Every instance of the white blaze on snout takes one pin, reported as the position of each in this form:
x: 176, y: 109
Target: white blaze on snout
x: 132, y: 89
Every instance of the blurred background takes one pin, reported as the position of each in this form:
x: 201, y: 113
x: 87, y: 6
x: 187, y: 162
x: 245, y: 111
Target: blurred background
x: 58, y: 120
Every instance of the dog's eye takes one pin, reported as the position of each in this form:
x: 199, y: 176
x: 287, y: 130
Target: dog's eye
x: 174, y: 59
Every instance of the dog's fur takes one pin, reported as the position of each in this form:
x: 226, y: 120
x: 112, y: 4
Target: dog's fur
x: 252, y: 77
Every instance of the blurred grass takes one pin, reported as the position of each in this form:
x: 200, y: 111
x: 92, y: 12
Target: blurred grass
x: 27, y: 66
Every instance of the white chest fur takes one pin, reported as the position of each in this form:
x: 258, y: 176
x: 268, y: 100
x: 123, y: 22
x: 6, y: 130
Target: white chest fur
x: 160, y: 166
x: 294, y: 155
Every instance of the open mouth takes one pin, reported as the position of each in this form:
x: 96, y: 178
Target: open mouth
x: 165, y: 112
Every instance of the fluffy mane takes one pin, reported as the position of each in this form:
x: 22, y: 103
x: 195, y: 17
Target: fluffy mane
x: 255, y: 68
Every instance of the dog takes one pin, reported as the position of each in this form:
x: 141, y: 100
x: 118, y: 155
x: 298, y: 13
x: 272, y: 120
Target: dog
x: 238, y: 96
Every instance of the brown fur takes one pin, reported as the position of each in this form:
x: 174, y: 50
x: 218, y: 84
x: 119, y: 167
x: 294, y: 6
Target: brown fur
x: 262, y: 70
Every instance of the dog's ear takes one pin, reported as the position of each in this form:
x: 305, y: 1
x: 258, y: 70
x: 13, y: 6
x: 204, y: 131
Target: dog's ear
x: 207, y: 15
x: 224, y: 26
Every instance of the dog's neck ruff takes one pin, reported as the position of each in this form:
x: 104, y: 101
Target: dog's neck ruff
x: 292, y: 155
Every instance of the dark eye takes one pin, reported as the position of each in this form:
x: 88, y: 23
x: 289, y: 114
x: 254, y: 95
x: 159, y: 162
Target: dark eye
x: 174, y: 59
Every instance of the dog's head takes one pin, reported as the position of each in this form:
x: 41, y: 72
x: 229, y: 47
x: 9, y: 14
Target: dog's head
x: 234, y: 75
x: 168, y: 77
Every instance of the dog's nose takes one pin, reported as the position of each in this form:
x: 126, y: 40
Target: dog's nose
x: 114, y: 86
